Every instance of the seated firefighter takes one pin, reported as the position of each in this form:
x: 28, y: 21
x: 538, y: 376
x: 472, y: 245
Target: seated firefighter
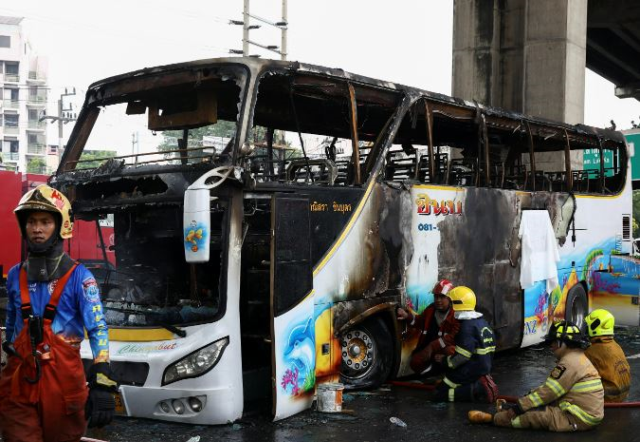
x: 607, y: 357
x: 572, y: 397
x: 438, y: 328
x: 467, y: 376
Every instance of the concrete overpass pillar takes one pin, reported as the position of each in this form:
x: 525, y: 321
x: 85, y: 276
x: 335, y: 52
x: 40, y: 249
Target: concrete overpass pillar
x: 523, y: 55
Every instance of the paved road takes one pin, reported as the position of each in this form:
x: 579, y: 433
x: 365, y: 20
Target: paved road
x: 515, y: 373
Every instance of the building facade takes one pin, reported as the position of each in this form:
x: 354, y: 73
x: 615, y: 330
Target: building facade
x: 23, y: 100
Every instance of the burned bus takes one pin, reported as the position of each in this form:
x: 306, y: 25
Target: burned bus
x: 270, y: 216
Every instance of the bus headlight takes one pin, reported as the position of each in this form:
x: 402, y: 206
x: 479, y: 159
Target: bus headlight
x: 195, y: 364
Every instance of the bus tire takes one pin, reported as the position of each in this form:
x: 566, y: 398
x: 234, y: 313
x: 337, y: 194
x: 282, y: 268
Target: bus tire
x: 576, y: 306
x: 367, y: 354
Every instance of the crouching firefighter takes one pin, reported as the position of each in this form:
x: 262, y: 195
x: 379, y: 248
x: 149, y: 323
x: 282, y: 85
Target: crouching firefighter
x: 607, y: 356
x: 51, y: 301
x: 468, y: 370
x: 572, y: 397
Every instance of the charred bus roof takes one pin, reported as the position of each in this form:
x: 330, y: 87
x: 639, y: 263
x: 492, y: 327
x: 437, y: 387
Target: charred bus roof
x: 118, y: 87
x: 319, y: 92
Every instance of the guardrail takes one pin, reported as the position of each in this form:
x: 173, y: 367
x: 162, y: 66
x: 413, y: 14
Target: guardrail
x: 37, y: 99
x: 36, y: 149
x: 11, y: 104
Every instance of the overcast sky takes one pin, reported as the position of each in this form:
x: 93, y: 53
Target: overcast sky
x: 406, y: 41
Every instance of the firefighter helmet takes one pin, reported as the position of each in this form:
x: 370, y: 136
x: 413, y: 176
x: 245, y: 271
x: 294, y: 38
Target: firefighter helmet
x: 462, y: 299
x: 568, y: 333
x: 46, y: 199
x: 600, y: 323
x: 443, y: 287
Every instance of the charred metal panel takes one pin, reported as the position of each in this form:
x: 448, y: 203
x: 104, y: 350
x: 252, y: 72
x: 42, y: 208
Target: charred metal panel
x: 468, y: 252
x: 357, y: 265
x: 330, y: 209
x: 395, y: 233
x: 114, y: 188
x: 291, y: 259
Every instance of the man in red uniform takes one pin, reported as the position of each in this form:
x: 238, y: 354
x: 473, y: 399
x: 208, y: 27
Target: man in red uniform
x: 438, y: 328
x: 52, y: 300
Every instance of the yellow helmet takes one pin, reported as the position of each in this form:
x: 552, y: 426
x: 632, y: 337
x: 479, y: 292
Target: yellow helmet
x: 462, y: 299
x: 567, y: 332
x: 600, y: 323
x: 46, y: 199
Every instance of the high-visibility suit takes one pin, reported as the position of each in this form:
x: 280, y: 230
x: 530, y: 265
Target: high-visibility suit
x: 608, y: 358
x: 467, y: 377
x: 571, y: 399
x: 53, y: 408
x: 437, y: 336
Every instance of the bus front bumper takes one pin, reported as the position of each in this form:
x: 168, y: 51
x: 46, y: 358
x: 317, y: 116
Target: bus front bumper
x: 204, y: 407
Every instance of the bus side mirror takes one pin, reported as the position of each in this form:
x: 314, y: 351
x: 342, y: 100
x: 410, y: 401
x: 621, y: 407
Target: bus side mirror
x: 196, y: 224
x: 196, y: 215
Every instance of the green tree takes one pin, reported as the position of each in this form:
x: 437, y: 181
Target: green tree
x: 93, y: 158
x: 36, y: 165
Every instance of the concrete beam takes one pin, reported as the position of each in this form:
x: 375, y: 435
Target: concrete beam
x: 628, y: 91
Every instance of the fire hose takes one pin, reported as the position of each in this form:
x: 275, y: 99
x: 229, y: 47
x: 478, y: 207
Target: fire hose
x: 512, y: 399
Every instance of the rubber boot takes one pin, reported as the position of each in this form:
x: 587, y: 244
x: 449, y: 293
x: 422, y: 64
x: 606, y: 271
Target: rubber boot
x: 480, y: 417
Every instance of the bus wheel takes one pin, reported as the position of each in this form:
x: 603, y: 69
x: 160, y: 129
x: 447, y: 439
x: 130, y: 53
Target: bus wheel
x: 576, y: 306
x: 367, y: 354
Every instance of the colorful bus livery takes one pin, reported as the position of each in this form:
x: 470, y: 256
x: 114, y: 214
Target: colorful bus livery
x: 255, y: 267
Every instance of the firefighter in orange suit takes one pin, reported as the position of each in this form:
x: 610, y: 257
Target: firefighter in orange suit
x: 438, y: 328
x: 52, y: 301
x: 606, y: 355
x: 572, y: 397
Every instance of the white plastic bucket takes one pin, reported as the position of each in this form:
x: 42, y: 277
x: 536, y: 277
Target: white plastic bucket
x: 330, y: 397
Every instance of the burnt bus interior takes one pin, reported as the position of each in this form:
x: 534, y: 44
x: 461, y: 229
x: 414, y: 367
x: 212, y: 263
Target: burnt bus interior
x: 441, y: 144
x: 438, y: 142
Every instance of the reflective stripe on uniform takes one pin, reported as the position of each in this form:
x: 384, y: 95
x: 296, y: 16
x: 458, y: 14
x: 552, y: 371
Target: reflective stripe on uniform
x: 450, y: 383
x: 463, y: 352
x: 515, y: 423
x: 485, y: 351
x: 587, y: 386
x: 452, y: 395
x: 579, y: 413
x: 555, y: 387
x: 535, y: 399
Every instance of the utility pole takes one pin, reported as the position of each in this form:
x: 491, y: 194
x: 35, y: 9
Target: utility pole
x: 247, y: 26
x: 245, y: 29
x: 135, y: 146
x: 64, y: 116
x: 283, y: 29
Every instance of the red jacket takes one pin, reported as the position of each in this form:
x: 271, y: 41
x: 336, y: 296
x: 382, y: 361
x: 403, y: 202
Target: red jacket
x: 445, y: 341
